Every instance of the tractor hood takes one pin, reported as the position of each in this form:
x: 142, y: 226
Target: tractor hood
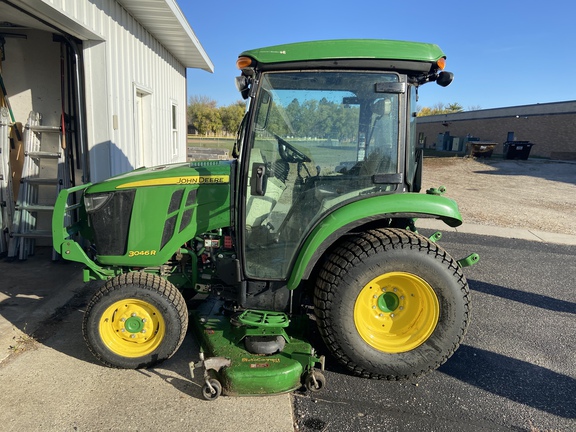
x: 192, y: 173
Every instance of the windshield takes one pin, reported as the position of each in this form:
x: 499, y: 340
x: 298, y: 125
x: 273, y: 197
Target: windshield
x: 318, y: 140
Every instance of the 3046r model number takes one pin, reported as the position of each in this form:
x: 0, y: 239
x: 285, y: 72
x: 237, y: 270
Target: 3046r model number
x: 141, y: 253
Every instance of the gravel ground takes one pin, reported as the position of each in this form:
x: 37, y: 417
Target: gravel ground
x: 531, y: 194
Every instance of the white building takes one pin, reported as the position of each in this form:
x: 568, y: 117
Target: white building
x: 113, y: 70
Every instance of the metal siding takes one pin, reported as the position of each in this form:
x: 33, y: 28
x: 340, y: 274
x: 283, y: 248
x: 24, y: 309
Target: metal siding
x: 134, y: 58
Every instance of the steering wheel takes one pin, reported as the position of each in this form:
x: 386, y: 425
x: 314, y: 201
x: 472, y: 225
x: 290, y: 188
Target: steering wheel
x: 289, y: 153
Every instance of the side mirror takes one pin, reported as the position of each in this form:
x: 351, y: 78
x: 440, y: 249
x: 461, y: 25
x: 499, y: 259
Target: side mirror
x: 242, y: 84
x: 444, y: 78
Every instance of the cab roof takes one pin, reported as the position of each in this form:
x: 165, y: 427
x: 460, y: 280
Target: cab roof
x: 415, y: 56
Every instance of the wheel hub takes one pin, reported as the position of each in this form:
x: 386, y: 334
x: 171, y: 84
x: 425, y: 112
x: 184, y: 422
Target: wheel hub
x: 132, y: 327
x: 134, y: 324
x: 396, y: 312
x: 388, y: 302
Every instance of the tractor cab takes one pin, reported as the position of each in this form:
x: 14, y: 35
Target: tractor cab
x: 329, y: 123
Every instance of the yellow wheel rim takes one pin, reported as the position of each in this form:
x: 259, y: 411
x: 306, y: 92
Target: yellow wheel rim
x: 132, y: 328
x: 396, y: 312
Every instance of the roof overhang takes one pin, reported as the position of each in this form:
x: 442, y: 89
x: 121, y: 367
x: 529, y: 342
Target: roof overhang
x: 162, y: 18
x: 166, y: 22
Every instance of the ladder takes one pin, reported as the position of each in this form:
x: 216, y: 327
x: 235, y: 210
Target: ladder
x: 6, y: 191
x: 44, y: 175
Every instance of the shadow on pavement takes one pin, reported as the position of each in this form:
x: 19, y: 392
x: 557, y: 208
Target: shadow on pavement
x: 532, y: 299
x: 510, y: 378
x: 30, y: 291
x: 62, y: 332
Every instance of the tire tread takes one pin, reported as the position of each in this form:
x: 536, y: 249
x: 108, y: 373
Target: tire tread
x: 354, y: 250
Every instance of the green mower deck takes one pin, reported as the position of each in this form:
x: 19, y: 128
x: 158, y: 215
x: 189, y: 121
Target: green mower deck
x: 239, y: 372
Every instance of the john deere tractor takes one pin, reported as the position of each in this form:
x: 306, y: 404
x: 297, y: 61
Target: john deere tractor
x: 313, y: 220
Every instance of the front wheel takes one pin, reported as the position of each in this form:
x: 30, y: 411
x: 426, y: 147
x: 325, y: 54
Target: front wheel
x: 391, y: 304
x: 135, y: 320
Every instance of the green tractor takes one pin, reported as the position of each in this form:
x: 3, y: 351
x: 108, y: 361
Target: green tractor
x: 312, y: 220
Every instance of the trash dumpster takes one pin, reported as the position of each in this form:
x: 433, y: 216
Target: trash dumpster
x: 481, y: 148
x: 517, y: 149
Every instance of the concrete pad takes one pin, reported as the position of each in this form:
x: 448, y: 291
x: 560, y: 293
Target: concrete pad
x: 496, y: 231
x: 30, y: 292
x: 435, y: 224
x: 515, y: 233
x: 51, y: 382
x: 57, y: 386
x: 555, y: 237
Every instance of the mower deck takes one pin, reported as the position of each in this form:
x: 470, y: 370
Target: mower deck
x: 240, y: 372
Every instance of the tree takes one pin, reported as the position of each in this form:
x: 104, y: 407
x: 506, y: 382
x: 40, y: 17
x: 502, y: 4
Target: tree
x: 203, y: 115
x: 454, y: 107
x: 231, y: 116
x: 440, y: 108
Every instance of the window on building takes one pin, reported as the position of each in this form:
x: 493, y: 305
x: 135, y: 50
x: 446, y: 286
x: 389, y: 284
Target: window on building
x: 174, y: 129
x: 142, y: 125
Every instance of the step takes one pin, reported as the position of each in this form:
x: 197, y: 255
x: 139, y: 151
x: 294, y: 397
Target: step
x: 44, y: 129
x: 34, y: 234
x: 43, y: 154
x: 34, y: 207
x: 40, y: 181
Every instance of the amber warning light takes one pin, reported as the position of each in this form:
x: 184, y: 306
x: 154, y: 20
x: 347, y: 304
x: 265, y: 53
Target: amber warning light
x: 441, y: 62
x: 243, y: 62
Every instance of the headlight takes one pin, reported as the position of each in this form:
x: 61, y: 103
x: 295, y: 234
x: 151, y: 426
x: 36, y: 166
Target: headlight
x: 94, y: 201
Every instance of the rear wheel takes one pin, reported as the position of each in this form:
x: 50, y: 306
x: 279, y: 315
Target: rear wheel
x: 391, y: 304
x: 135, y: 320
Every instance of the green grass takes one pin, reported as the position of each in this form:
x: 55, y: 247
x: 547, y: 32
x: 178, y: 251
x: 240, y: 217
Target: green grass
x: 210, y: 142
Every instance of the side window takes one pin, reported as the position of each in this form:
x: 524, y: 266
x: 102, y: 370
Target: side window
x: 382, y: 148
x: 174, y: 132
x: 411, y: 139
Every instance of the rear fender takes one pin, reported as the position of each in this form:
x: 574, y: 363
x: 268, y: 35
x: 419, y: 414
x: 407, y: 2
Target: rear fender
x: 350, y: 216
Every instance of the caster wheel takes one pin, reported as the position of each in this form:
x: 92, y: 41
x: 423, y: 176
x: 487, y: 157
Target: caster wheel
x: 214, y: 392
x: 314, y: 381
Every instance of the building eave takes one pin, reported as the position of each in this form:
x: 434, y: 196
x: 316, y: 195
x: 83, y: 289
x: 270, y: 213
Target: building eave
x: 166, y: 22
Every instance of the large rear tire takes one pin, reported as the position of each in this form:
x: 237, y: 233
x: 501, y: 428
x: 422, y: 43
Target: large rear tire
x: 135, y: 320
x: 390, y: 304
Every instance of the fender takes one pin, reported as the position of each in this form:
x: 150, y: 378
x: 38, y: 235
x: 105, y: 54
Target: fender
x: 344, y: 219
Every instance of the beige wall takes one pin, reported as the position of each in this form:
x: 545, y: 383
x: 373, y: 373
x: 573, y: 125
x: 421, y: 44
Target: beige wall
x: 554, y: 135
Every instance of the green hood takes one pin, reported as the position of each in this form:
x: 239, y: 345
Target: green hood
x: 203, y: 172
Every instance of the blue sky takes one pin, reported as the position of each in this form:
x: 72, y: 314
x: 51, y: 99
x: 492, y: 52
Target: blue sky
x: 502, y: 53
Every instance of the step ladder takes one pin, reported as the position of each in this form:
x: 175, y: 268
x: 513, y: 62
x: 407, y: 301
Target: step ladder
x: 44, y: 175
x: 6, y: 191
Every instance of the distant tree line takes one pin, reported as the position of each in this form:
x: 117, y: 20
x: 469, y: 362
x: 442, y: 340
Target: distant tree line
x: 441, y: 108
x: 315, y: 119
x: 312, y: 118
x: 206, y: 118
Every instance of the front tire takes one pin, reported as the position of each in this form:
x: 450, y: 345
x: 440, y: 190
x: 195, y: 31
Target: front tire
x: 135, y: 320
x: 391, y: 304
